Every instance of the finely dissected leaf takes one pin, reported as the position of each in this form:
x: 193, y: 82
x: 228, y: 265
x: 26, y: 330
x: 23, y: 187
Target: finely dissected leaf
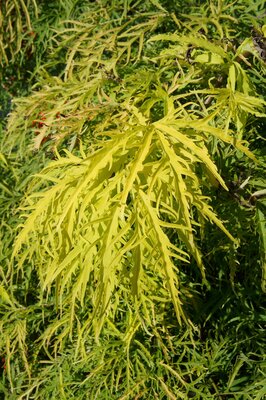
x: 181, y: 195
x: 167, y: 265
x: 191, y: 40
x: 201, y: 153
x: 137, y: 165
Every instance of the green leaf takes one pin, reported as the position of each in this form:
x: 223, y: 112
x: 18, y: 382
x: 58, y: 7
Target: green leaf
x: 209, y: 58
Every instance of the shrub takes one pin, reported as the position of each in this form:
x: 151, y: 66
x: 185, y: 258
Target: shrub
x: 131, y: 257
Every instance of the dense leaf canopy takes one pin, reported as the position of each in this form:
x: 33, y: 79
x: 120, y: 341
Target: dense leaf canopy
x: 132, y: 199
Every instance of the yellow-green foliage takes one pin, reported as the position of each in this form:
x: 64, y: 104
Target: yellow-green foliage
x: 132, y: 123
x: 103, y: 224
x: 15, y: 23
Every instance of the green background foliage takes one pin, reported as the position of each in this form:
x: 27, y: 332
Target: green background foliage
x: 132, y: 200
